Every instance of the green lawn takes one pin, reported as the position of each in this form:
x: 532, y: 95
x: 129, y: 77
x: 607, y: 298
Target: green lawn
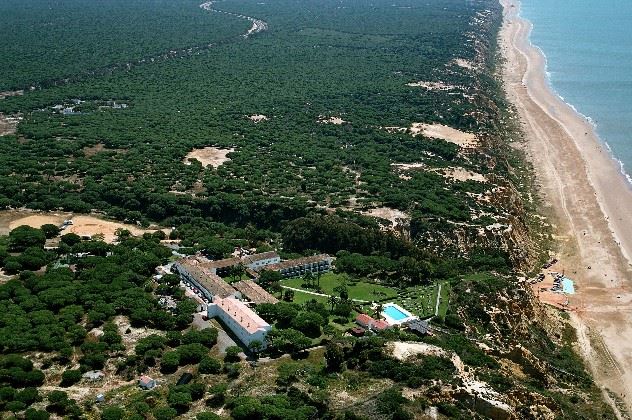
x: 301, y: 298
x: 422, y: 300
x: 360, y: 290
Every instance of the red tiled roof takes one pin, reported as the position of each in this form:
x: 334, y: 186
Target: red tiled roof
x: 380, y: 325
x: 242, y: 314
x: 364, y: 319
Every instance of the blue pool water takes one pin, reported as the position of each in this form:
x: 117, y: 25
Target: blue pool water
x: 568, y: 286
x: 395, y: 313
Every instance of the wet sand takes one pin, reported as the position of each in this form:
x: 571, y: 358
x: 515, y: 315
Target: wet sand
x: 589, y: 202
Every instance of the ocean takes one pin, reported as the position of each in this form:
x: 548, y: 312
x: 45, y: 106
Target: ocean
x: 588, y: 46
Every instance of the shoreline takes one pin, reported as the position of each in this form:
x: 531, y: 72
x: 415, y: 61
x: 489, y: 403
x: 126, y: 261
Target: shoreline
x: 589, y: 201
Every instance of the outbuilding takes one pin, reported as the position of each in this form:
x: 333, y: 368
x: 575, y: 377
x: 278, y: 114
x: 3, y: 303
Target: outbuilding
x: 146, y: 382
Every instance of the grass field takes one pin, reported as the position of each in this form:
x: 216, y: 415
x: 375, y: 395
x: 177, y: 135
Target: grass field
x: 359, y: 290
x: 422, y: 300
x: 301, y: 298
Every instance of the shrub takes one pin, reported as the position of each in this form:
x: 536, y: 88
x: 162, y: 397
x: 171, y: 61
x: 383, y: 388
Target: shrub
x: 70, y: 377
x: 170, y: 362
x: 210, y: 365
x: 232, y: 354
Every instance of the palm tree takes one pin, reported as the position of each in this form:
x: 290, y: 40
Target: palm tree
x: 378, y: 310
x: 333, y: 300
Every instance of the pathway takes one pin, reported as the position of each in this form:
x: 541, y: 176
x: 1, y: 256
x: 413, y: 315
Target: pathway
x: 258, y: 25
x: 320, y: 294
x: 438, y: 301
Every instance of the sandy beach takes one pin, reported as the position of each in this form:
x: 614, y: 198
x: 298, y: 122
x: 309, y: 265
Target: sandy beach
x: 589, y: 203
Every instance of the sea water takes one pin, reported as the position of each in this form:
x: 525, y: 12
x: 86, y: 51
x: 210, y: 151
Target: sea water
x: 588, y: 46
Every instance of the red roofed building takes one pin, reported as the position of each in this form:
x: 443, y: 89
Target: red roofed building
x: 364, y: 320
x: 371, y: 323
x: 380, y: 325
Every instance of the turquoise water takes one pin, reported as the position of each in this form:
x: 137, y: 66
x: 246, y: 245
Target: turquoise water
x: 395, y: 313
x: 588, y: 45
x: 568, y: 286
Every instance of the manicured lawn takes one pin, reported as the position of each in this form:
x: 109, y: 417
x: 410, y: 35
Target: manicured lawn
x: 360, y: 290
x: 301, y: 298
x: 445, y: 299
x: 422, y: 300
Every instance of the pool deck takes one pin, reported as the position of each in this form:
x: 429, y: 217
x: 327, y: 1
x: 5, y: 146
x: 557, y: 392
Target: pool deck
x: 393, y: 321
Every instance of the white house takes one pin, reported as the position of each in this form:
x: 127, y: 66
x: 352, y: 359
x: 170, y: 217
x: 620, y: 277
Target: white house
x: 240, y: 319
x: 146, y: 382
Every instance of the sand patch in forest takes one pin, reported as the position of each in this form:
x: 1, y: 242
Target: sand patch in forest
x: 258, y: 118
x: 396, y: 217
x: 83, y: 225
x: 6, y: 94
x: 443, y: 132
x: 330, y: 120
x: 38, y: 220
x: 209, y: 156
x: 455, y: 173
x: 462, y: 174
x: 9, y: 124
x: 464, y: 63
x: 431, y: 85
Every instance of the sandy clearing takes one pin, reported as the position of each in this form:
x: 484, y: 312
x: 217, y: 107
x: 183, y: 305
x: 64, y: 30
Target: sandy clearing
x: 405, y: 350
x: 455, y: 173
x: 131, y: 338
x: 588, y: 200
x: 443, y: 132
x: 396, y: 217
x: 209, y: 156
x: 330, y: 120
x: 462, y: 174
x: 83, y: 225
x: 9, y: 124
x: 36, y: 220
x: 431, y: 85
x: 89, y: 226
x: 258, y: 118
x: 6, y: 94
x: 464, y: 63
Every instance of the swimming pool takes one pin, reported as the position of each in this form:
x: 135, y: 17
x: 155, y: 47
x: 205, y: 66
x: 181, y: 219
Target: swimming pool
x: 568, y: 286
x: 395, y: 313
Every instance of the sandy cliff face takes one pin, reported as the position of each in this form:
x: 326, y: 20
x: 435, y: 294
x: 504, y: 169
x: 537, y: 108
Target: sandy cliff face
x: 509, y: 233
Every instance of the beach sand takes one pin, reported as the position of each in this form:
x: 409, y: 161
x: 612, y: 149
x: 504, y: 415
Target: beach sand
x: 589, y: 202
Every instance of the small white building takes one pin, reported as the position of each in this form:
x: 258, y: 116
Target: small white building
x: 93, y: 375
x: 146, y: 382
x: 240, y: 319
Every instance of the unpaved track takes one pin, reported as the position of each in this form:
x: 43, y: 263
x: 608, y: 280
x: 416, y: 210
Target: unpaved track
x: 588, y: 200
x: 258, y: 25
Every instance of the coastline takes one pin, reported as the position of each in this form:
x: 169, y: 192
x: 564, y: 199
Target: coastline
x: 588, y: 199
